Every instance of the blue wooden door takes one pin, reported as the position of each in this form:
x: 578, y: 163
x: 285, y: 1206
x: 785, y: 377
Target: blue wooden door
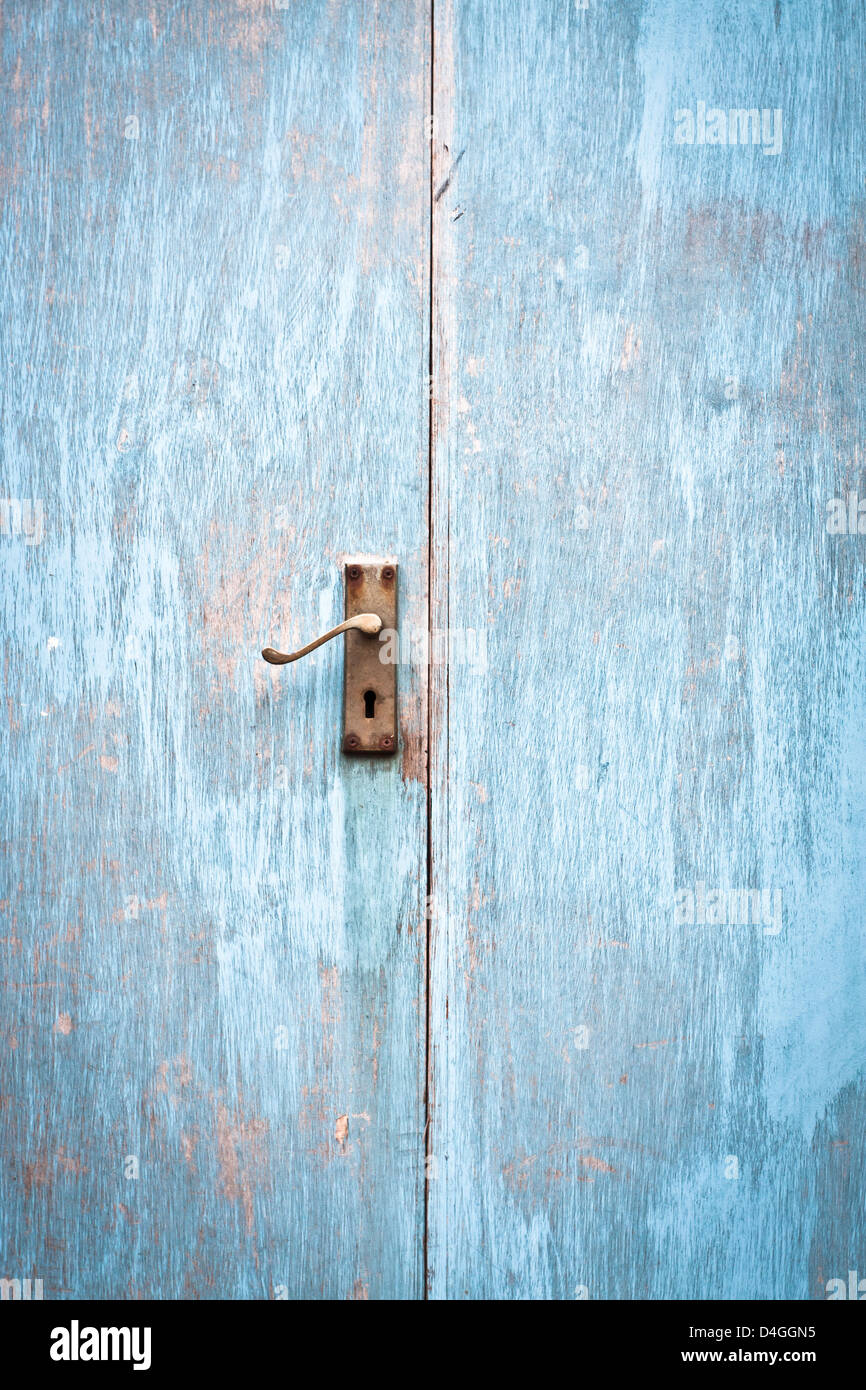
x: 648, y: 998
x: 215, y: 348
x: 562, y: 306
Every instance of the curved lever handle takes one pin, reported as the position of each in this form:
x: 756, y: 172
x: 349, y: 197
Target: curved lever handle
x: 369, y: 623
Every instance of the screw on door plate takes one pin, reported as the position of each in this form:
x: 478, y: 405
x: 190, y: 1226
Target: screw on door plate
x: 370, y: 684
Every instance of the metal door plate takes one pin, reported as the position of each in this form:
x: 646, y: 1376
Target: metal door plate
x: 369, y: 684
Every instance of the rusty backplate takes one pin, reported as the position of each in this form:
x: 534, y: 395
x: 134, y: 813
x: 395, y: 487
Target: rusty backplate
x: 369, y: 684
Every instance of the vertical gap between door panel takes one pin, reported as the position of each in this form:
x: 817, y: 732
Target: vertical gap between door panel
x: 429, y: 877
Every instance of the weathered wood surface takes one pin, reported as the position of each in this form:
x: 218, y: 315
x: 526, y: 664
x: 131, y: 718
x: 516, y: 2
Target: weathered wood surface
x: 649, y: 383
x: 214, y: 346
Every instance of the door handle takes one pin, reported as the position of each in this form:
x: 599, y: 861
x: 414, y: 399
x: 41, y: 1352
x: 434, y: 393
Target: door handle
x: 369, y: 670
x: 364, y: 622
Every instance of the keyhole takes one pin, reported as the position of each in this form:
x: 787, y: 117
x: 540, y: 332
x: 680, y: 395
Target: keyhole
x: 369, y: 704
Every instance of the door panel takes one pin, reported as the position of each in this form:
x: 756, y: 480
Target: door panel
x: 215, y: 338
x: 648, y: 384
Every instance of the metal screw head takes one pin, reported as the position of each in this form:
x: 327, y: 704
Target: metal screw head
x: 354, y: 572
x: 386, y: 741
x: 388, y: 573
x: 352, y: 741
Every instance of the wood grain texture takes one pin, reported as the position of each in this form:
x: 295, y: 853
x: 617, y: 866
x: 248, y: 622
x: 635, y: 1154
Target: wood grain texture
x: 214, y: 345
x: 649, y: 383
x: 647, y: 386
